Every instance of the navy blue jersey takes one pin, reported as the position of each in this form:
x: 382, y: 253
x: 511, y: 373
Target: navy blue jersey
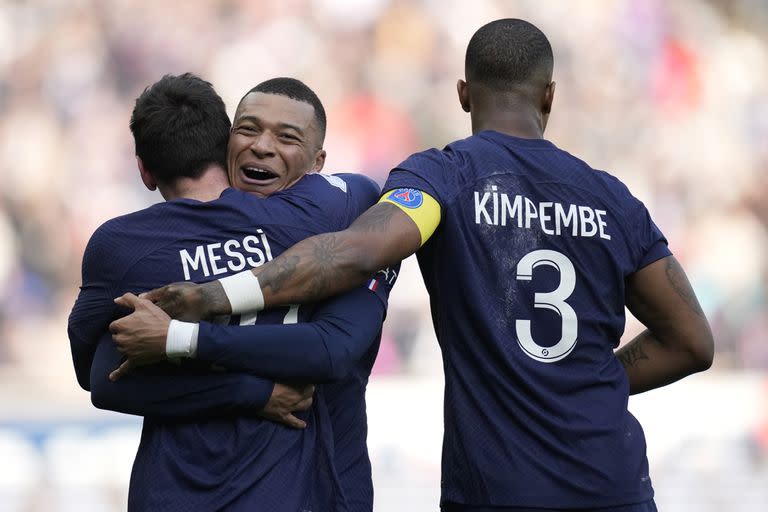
x: 526, y: 281
x: 338, y: 345
x: 235, y: 461
x: 347, y: 408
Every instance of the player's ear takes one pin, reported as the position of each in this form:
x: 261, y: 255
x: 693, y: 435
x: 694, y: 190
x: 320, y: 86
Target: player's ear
x: 546, y: 104
x: 547, y: 98
x: 463, y: 90
x: 319, y: 162
x: 146, y: 176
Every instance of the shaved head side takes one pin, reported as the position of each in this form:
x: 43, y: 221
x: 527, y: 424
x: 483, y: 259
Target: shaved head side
x: 507, y: 54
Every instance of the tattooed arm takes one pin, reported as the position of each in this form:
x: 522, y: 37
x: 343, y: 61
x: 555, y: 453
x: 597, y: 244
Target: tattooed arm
x: 327, y: 264
x: 315, y: 268
x: 677, y: 341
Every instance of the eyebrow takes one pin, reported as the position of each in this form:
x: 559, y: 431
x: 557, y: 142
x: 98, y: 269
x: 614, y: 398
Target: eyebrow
x: 254, y: 119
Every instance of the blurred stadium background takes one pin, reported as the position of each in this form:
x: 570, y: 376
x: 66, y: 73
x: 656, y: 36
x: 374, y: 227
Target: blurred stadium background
x: 672, y: 97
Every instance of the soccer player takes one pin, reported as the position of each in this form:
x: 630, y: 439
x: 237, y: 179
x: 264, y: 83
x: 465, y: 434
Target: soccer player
x: 202, y: 446
x: 529, y: 257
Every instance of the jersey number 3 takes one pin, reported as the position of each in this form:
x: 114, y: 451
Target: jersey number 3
x: 554, y: 301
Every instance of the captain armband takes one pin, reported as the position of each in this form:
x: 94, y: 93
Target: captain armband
x: 422, y: 208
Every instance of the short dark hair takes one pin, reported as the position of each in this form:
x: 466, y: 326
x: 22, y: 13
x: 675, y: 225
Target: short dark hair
x: 508, y: 52
x: 180, y: 126
x: 296, y: 90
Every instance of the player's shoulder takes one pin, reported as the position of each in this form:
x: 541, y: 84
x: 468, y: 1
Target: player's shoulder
x: 434, y: 161
x: 610, y: 180
x: 336, y: 198
x: 121, y: 225
x: 428, y: 159
x: 610, y: 192
x: 357, y: 184
x: 113, y: 240
x: 313, y: 190
x: 340, y: 183
x: 343, y: 188
x: 615, y: 188
x: 362, y: 192
x: 582, y: 174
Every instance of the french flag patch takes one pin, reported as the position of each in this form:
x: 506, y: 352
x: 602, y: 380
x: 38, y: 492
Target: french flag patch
x: 373, y: 285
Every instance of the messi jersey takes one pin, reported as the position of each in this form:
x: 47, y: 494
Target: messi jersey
x: 236, y: 463
x: 526, y: 281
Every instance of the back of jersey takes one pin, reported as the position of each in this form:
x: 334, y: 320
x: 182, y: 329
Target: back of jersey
x: 526, y: 280
x: 238, y: 463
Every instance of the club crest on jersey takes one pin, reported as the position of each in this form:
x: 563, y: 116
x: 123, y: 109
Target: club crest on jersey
x: 407, y: 197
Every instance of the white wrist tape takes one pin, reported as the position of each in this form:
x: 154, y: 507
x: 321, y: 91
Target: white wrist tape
x: 181, y: 340
x: 244, y: 292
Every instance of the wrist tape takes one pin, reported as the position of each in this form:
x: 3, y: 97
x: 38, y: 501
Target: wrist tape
x: 181, y: 340
x: 244, y: 292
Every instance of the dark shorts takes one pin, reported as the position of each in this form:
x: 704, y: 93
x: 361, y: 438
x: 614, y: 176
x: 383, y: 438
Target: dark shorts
x: 646, y: 506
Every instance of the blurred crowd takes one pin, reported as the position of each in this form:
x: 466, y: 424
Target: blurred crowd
x: 671, y: 97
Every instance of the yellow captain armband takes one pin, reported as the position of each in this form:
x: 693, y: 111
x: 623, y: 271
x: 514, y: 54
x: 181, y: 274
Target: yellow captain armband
x: 419, y: 206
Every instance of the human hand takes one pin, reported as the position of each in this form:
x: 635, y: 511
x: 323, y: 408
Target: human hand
x: 190, y: 302
x: 140, y: 336
x: 285, y: 400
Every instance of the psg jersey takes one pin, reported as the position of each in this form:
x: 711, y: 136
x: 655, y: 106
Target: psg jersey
x: 525, y: 275
x: 238, y: 463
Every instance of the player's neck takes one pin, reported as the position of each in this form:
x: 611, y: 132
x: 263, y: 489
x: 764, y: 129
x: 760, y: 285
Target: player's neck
x: 511, y: 113
x: 518, y: 123
x: 207, y: 187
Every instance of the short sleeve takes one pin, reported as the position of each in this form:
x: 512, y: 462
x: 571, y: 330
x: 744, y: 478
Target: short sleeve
x: 650, y: 243
x: 425, y: 171
x: 653, y: 243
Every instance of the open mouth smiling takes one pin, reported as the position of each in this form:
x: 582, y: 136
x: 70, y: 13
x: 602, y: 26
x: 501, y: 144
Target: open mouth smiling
x: 257, y: 173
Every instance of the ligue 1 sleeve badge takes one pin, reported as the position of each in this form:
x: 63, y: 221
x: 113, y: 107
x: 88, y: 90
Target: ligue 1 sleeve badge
x: 407, y: 197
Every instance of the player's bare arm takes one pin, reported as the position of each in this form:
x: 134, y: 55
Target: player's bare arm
x: 313, y: 269
x: 327, y: 264
x: 678, y: 341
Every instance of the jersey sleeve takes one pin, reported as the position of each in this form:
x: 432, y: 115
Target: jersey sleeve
x: 347, y: 410
x: 382, y: 282
x: 94, y: 307
x: 424, y: 171
x: 323, y: 349
x: 168, y: 391
x: 650, y: 244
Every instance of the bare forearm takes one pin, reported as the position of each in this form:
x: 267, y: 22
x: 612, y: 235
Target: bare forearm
x: 314, y: 269
x: 678, y: 340
x: 651, y: 364
x: 331, y: 263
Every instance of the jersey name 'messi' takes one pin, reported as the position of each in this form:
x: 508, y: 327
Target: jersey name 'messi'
x: 497, y: 209
x: 222, y: 257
